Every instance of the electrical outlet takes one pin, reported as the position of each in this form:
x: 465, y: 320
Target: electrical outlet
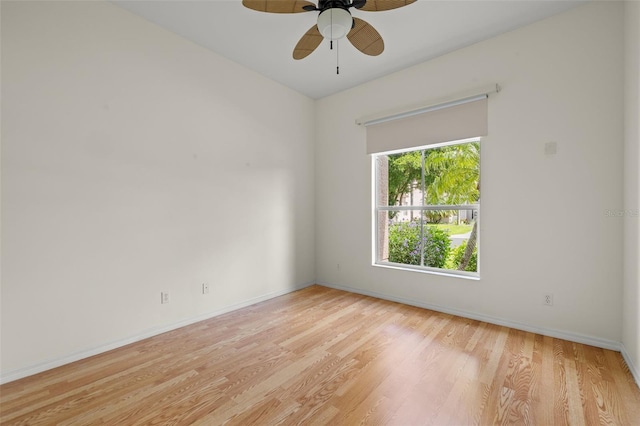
x: 548, y: 299
x: 205, y: 288
x: 164, y: 297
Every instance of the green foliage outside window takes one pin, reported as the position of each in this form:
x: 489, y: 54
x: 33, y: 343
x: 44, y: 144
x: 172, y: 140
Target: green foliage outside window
x: 455, y: 257
x: 448, y: 175
x: 405, y: 244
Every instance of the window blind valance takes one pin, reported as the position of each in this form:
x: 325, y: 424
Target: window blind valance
x: 454, y: 120
x: 452, y: 123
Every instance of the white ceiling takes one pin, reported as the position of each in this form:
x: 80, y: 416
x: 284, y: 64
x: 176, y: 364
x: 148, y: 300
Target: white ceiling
x: 412, y: 34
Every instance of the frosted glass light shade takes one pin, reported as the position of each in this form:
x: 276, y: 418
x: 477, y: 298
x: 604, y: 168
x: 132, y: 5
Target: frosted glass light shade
x: 334, y: 23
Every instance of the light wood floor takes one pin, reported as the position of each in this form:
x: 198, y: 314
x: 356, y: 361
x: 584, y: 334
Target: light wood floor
x: 322, y: 356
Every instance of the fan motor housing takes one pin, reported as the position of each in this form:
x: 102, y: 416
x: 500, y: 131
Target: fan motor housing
x: 334, y: 23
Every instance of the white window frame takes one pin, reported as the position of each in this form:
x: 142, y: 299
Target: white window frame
x: 377, y: 209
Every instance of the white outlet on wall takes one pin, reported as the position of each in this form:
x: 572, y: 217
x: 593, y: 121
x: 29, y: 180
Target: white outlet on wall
x: 205, y: 288
x: 548, y: 299
x: 164, y: 297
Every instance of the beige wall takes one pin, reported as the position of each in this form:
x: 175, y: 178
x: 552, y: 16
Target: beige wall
x: 135, y: 162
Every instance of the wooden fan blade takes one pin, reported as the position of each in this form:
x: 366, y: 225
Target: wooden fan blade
x: 380, y: 5
x: 308, y: 43
x: 278, y: 6
x: 365, y: 38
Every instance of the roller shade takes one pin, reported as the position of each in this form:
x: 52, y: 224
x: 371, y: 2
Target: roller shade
x: 462, y: 119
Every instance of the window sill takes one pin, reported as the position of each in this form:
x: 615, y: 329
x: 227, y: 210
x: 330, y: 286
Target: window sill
x: 463, y: 275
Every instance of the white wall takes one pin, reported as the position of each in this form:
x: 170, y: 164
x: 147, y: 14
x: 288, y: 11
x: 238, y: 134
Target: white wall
x: 544, y: 223
x: 135, y: 162
x: 631, y: 295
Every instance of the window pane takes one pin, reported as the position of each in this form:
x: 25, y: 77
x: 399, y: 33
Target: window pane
x: 427, y: 207
x: 406, y: 232
x: 436, y: 239
x: 459, y: 228
x: 452, y: 174
x: 404, y: 179
x: 429, y: 238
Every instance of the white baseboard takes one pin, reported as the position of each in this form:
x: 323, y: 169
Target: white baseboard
x: 53, y: 363
x: 632, y: 367
x: 565, y: 335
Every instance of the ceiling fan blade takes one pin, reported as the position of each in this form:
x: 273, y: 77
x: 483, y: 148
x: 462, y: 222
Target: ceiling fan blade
x: 365, y: 38
x: 380, y: 5
x: 279, y: 6
x: 308, y: 43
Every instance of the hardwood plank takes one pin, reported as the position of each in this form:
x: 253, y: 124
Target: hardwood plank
x: 542, y: 392
x: 323, y: 356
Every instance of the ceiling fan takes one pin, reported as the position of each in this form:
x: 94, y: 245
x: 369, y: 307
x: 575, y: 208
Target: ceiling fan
x: 334, y: 22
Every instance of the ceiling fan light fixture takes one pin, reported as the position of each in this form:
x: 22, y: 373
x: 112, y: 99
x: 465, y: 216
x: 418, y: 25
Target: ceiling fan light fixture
x: 334, y: 23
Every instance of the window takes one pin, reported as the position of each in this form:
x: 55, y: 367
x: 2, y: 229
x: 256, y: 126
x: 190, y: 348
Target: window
x: 427, y: 206
x: 426, y: 190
